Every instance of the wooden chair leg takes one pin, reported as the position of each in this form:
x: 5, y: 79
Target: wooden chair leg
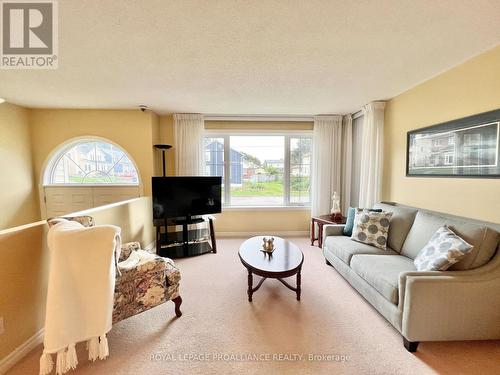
x: 411, y: 346
x: 178, y: 302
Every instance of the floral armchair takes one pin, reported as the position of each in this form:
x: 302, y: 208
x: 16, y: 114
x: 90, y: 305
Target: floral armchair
x: 139, y: 288
x: 145, y: 286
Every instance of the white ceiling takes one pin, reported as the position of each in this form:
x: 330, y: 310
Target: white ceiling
x: 251, y: 57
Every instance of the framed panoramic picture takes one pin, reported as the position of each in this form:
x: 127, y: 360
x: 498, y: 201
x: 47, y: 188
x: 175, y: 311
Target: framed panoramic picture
x: 467, y: 147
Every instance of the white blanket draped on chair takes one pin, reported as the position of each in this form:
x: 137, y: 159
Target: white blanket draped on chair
x: 80, y: 292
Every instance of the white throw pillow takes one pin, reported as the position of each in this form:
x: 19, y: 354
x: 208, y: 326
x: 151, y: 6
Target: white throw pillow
x: 443, y: 250
x: 371, y: 227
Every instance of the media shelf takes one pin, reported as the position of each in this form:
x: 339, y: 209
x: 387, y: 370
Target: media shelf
x: 196, y: 237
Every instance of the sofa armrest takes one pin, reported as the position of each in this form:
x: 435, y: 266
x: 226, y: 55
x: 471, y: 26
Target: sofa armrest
x: 454, y: 305
x: 443, y: 275
x: 490, y: 269
x: 332, y: 230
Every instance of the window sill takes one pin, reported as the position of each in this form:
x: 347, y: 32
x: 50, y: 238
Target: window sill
x: 90, y: 185
x: 266, y: 208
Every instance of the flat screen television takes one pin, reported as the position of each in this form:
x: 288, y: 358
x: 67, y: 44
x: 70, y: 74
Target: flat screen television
x: 186, y: 196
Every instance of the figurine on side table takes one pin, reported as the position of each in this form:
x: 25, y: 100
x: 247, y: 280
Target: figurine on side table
x: 336, y: 213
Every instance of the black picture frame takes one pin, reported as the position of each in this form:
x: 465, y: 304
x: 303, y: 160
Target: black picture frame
x: 464, y: 148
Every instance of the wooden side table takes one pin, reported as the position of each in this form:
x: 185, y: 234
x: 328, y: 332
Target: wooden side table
x: 322, y: 220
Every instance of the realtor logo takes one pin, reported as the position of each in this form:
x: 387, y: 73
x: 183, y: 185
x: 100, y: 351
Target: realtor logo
x: 29, y: 34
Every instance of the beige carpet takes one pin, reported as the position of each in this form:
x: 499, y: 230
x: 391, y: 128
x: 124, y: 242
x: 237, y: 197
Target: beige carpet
x: 219, y: 322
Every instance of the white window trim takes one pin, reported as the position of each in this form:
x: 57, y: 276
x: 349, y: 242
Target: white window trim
x: 288, y: 134
x: 267, y: 208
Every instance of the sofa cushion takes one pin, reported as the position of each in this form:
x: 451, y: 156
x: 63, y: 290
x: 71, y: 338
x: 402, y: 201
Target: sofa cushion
x: 400, y: 224
x: 443, y: 250
x: 344, y: 248
x: 483, y: 239
x: 382, y: 272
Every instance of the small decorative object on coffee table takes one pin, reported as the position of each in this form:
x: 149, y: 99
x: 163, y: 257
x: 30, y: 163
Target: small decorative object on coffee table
x: 268, y: 245
x: 286, y: 261
x: 320, y: 221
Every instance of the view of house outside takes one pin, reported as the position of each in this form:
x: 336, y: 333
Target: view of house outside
x: 257, y: 168
x: 94, y: 162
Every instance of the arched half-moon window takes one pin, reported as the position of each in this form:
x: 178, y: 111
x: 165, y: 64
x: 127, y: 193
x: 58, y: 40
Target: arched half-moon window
x: 93, y: 162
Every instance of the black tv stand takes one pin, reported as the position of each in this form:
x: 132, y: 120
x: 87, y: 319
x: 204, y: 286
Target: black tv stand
x: 188, y: 242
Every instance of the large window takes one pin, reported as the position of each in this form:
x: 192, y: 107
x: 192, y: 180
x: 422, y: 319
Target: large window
x: 261, y: 170
x: 92, y: 162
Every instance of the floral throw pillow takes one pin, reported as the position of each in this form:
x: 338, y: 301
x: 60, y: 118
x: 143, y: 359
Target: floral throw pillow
x: 371, y: 227
x: 443, y: 250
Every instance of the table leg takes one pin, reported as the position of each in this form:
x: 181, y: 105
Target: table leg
x: 212, y: 236
x: 312, y: 232
x: 298, y: 285
x: 320, y: 235
x: 250, y: 286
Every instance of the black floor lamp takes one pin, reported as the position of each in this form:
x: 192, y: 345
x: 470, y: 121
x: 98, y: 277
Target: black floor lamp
x: 163, y: 149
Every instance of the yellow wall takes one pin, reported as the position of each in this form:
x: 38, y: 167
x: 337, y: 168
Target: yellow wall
x: 23, y: 283
x: 265, y: 221
x: 18, y: 199
x: 133, y: 216
x: 133, y: 130
x: 24, y: 267
x: 467, y: 89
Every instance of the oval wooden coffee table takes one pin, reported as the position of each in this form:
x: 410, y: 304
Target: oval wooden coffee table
x: 285, y: 261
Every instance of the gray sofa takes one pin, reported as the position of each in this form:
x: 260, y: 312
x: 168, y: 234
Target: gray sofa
x: 462, y: 303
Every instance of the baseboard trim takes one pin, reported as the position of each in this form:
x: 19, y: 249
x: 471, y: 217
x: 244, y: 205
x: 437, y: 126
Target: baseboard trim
x: 292, y: 233
x: 8, y: 362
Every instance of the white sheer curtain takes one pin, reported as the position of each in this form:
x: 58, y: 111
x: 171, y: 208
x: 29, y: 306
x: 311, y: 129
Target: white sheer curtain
x: 326, y: 166
x: 188, y: 144
x: 345, y: 194
x: 357, y: 135
x: 371, y: 154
